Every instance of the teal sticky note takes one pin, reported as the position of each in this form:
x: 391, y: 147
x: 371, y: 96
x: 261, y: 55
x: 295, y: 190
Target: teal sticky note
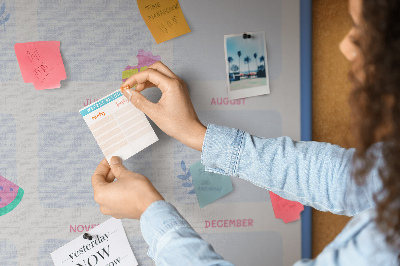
x: 209, y: 186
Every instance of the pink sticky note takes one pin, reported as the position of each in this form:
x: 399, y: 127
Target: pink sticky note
x: 284, y: 209
x: 41, y: 63
x: 145, y: 59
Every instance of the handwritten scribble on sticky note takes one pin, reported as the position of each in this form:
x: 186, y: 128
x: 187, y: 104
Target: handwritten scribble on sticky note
x: 209, y: 186
x: 145, y: 60
x: 164, y: 18
x: 41, y: 63
x: 288, y: 211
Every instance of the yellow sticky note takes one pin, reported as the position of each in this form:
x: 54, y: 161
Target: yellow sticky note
x: 164, y: 18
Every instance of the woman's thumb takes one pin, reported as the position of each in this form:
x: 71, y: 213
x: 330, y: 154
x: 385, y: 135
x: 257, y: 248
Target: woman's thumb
x: 138, y: 100
x: 116, y: 166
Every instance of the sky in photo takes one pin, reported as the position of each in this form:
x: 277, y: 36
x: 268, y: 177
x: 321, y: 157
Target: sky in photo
x: 256, y: 44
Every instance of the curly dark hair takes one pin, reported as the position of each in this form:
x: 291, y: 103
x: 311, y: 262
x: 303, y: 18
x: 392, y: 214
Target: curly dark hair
x: 375, y: 103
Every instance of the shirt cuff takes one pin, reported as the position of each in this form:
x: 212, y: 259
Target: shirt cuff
x: 158, y: 219
x: 222, y: 148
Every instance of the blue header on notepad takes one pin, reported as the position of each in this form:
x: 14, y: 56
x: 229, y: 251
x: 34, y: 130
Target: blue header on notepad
x: 101, y: 103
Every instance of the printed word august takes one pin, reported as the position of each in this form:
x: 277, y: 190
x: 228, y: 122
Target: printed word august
x: 226, y: 101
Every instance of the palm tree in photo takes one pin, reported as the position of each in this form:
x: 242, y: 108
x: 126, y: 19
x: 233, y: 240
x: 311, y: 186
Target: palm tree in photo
x: 262, y: 72
x: 247, y: 60
x: 239, y: 53
x: 262, y: 59
x: 230, y: 60
x: 255, y: 60
x: 234, y: 68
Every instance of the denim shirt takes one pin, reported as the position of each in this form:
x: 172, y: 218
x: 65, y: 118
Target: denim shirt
x: 312, y: 173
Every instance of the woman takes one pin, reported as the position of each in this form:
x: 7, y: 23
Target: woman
x: 363, y: 182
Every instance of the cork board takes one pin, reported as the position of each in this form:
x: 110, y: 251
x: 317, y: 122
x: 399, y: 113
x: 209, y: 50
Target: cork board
x: 331, y: 89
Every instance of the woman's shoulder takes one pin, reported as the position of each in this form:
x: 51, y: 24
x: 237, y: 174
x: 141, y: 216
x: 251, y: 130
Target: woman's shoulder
x: 362, y: 236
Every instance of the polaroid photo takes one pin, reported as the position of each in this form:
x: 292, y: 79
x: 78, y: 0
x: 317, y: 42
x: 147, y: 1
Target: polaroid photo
x: 246, y: 64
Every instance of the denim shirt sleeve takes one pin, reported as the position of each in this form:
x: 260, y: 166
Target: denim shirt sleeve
x: 312, y: 173
x: 172, y: 241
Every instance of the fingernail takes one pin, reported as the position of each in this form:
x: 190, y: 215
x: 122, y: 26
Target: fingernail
x: 128, y: 94
x: 115, y: 160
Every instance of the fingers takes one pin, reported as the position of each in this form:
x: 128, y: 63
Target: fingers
x: 140, y: 102
x: 117, y: 167
x: 100, y: 174
x: 110, y: 177
x: 159, y: 80
x: 142, y: 86
x: 160, y: 67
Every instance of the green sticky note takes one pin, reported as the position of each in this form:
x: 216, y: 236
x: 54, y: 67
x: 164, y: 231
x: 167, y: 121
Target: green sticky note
x: 209, y: 186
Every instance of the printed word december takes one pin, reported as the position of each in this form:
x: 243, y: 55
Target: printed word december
x: 229, y: 223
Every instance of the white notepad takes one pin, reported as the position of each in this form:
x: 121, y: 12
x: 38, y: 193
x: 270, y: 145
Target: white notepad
x: 118, y: 126
x: 108, y: 246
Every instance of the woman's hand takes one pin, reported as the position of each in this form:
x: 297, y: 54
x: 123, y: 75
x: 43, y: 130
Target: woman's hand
x: 174, y: 112
x: 127, y: 197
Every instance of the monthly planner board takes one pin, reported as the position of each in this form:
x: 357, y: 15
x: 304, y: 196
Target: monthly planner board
x: 48, y: 150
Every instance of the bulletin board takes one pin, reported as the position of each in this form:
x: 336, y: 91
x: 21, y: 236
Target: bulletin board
x: 47, y: 149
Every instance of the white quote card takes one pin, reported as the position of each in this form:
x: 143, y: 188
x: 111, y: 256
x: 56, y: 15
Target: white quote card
x: 118, y: 126
x: 109, y: 246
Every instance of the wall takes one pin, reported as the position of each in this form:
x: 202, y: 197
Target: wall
x: 331, y: 90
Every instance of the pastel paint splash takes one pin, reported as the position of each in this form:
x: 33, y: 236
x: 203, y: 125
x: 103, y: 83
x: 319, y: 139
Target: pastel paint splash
x: 288, y: 211
x: 145, y: 59
x: 3, y: 18
x: 10, y: 195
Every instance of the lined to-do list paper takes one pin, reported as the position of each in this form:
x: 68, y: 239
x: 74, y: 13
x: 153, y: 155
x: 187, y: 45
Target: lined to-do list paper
x: 118, y: 126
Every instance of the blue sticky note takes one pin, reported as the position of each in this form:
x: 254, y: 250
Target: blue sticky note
x: 209, y: 186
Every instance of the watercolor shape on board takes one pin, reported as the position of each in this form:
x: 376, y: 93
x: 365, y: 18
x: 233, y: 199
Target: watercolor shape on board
x: 145, y: 59
x: 10, y: 196
x: 3, y: 18
x: 185, y: 177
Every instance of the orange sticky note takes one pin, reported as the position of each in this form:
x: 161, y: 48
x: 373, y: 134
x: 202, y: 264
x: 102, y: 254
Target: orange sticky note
x: 41, y: 63
x: 288, y: 211
x: 164, y: 18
